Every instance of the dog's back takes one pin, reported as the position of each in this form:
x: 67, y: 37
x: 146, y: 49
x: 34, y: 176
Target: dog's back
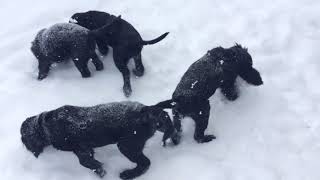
x: 100, y: 125
x: 60, y: 39
x: 200, y: 80
x: 95, y: 19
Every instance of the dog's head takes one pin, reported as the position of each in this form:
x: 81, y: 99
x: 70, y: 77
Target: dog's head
x: 31, y: 136
x: 90, y: 19
x: 81, y: 19
x: 36, y: 50
x: 162, y: 120
x: 242, y: 65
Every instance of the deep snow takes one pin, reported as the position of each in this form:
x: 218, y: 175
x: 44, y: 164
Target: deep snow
x: 271, y: 132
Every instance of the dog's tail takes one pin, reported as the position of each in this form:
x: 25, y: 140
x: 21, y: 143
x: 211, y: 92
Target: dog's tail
x: 166, y: 104
x: 143, y: 42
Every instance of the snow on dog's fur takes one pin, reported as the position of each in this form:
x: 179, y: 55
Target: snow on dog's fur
x: 218, y: 68
x: 124, y: 39
x: 80, y: 129
x: 64, y: 41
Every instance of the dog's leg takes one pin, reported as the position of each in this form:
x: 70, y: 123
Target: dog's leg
x: 44, y: 67
x: 201, y: 118
x: 86, y: 159
x: 132, y: 149
x: 96, y: 61
x: 102, y: 46
x: 139, y: 70
x: 121, y: 63
x: 228, y: 88
x: 126, y: 80
x: 177, y: 124
x: 230, y: 91
x: 81, y: 64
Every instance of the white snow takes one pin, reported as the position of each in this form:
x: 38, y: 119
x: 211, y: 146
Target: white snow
x: 193, y: 84
x: 271, y: 132
x: 73, y: 20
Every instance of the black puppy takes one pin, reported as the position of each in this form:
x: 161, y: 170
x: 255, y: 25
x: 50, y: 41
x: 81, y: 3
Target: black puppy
x: 217, y: 69
x: 125, y: 41
x: 64, y: 41
x: 80, y: 129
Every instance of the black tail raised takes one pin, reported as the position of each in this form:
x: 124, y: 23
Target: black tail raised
x: 155, y: 40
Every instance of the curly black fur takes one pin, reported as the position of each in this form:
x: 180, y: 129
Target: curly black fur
x: 216, y: 69
x: 64, y: 41
x: 80, y: 129
x: 124, y: 39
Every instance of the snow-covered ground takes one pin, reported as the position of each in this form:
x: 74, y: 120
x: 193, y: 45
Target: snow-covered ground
x: 271, y: 132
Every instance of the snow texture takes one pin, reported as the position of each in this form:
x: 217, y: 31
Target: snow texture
x: 271, y: 132
x: 52, y: 38
x: 115, y: 114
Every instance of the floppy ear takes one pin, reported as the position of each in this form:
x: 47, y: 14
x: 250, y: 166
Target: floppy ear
x: 115, y: 20
x: 252, y: 76
x: 169, y: 131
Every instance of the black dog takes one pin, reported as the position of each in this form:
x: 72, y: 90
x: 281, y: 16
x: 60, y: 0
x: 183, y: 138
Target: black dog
x: 80, y: 129
x: 125, y: 41
x: 217, y: 69
x: 63, y: 41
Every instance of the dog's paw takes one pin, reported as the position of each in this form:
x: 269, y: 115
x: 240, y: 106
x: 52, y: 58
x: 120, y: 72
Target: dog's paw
x: 127, y: 91
x: 127, y: 174
x: 138, y: 73
x: 176, y: 138
x: 100, y: 172
x: 42, y: 76
x: 104, y: 51
x: 100, y: 67
x: 232, y: 96
x: 206, y: 138
x: 86, y: 75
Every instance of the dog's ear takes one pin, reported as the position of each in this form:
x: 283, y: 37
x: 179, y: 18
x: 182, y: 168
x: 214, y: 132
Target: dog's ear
x: 31, y: 137
x: 115, y: 21
x: 251, y: 76
x: 169, y: 130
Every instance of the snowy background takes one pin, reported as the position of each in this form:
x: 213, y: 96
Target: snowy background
x: 271, y: 132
